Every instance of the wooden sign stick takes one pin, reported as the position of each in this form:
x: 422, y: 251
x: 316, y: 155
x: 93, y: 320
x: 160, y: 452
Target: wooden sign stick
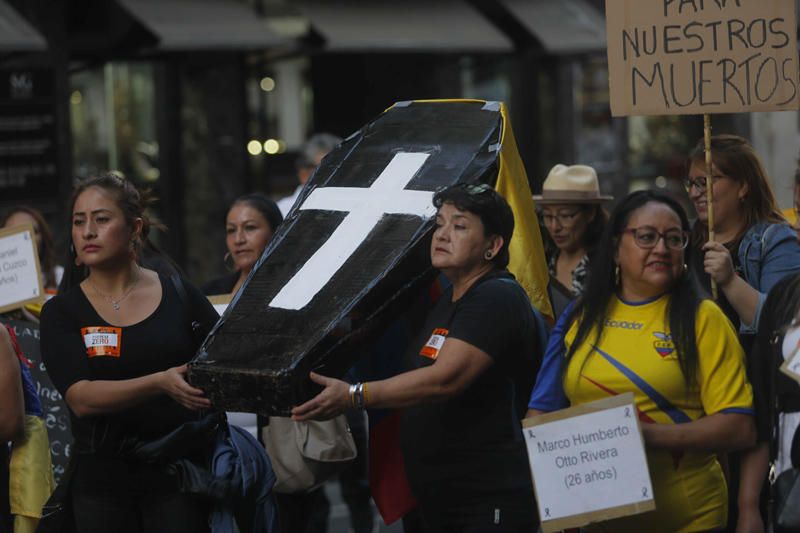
x: 709, y: 189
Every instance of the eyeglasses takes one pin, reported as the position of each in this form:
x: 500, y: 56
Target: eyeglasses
x: 565, y: 220
x: 647, y: 237
x: 699, y: 183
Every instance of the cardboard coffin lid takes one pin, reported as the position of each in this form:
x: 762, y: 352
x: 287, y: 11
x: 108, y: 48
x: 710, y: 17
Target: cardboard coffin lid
x: 257, y: 357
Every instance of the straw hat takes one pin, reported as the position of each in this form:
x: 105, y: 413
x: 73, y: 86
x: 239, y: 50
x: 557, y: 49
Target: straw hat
x: 576, y: 184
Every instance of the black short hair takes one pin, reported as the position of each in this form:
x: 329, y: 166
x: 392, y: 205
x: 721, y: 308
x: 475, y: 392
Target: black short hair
x: 484, y: 202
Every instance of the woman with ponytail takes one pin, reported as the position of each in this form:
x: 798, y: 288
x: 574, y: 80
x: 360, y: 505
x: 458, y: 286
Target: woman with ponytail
x: 116, y: 341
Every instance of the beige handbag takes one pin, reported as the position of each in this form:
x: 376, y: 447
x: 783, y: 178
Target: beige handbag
x: 305, y: 455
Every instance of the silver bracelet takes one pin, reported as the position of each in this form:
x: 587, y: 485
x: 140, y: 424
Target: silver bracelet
x: 357, y: 395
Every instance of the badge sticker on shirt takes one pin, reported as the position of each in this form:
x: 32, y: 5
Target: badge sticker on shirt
x: 102, y: 341
x: 434, y: 344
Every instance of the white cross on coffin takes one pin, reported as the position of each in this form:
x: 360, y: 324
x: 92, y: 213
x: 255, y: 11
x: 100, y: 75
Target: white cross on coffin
x: 365, y: 207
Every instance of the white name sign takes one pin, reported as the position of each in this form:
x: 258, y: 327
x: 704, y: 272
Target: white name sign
x: 588, y: 463
x: 20, y: 282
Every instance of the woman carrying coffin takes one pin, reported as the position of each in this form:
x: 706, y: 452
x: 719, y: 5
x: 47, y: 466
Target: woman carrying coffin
x: 468, y: 371
x: 642, y: 327
x: 116, y: 346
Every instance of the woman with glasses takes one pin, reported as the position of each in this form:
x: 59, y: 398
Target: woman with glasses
x: 470, y: 371
x: 574, y: 217
x: 754, y: 247
x: 642, y: 327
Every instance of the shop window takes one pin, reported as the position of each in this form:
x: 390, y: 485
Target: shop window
x: 112, y: 112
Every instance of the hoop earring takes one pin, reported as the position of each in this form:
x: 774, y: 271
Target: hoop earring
x: 227, y: 260
x: 616, y: 275
x: 488, y: 255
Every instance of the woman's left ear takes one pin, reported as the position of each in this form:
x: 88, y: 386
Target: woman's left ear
x: 495, y: 245
x: 743, y: 190
x: 136, y: 234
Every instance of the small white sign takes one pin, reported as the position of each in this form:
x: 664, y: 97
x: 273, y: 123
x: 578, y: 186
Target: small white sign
x: 20, y: 282
x: 791, y: 353
x: 588, y: 463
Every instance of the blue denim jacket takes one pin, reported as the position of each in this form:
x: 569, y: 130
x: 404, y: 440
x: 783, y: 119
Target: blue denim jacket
x: 767, y: 253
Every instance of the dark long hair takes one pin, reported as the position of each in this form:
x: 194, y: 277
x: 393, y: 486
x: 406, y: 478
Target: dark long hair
x: 47, y: 251
x: 133, y: 203
x: 591, y: 310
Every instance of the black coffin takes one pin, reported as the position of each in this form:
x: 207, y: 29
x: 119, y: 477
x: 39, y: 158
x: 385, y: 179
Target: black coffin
x: 352, y: 254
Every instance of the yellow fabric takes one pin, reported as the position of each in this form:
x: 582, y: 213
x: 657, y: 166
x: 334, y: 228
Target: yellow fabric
x: 526, y: 250
x: 636, y: 354
x: 25, y: 524
x: 35, y: 309
x: 791, y: 215
x: 528, y: 263
x: 31, y: 472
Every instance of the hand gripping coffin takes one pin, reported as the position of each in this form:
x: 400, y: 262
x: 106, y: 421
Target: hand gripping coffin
x: 351, y: 255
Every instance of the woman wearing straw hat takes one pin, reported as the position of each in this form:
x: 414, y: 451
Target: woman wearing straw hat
x: 574, y: 217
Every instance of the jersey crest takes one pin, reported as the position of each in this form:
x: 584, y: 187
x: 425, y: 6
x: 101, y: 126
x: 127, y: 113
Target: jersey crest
x: 663, y: 344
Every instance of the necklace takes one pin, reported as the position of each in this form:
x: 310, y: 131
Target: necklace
x: 115, y: 303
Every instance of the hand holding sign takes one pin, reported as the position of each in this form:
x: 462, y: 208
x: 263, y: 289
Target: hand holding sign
x: 592, y: 462
x: 20, y: 281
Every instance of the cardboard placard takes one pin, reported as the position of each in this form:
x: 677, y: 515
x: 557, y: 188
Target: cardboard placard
x: 220, y: 302
x: 677, y: 57
x: 588, y: 463
x: 20, y: 275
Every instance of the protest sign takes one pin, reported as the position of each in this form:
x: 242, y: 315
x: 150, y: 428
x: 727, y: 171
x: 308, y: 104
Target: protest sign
x: 56, y: 415
x: 588, y: 463
x: 20, y: 282
x: 669, y: 57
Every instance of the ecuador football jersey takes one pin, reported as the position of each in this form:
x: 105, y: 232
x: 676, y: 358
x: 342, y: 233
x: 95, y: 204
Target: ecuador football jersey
x: 636, y: 353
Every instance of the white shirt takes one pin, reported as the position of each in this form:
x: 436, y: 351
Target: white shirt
x: 285, y: 204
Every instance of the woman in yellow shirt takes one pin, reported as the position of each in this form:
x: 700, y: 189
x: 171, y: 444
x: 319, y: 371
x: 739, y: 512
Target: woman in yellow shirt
x: 642, y: 327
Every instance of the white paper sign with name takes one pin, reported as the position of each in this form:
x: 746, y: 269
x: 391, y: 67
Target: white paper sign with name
x: 20, y: 282
x: 588, y: 463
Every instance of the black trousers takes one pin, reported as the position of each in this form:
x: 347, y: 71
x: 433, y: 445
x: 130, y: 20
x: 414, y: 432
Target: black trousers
x: 303, y: 513
x: 114, y: 495
x: 152, y: 513
x: 414, y: 522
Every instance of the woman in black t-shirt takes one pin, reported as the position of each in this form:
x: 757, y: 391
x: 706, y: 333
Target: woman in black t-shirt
x: 469, y: 371
x: 116, y: 344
